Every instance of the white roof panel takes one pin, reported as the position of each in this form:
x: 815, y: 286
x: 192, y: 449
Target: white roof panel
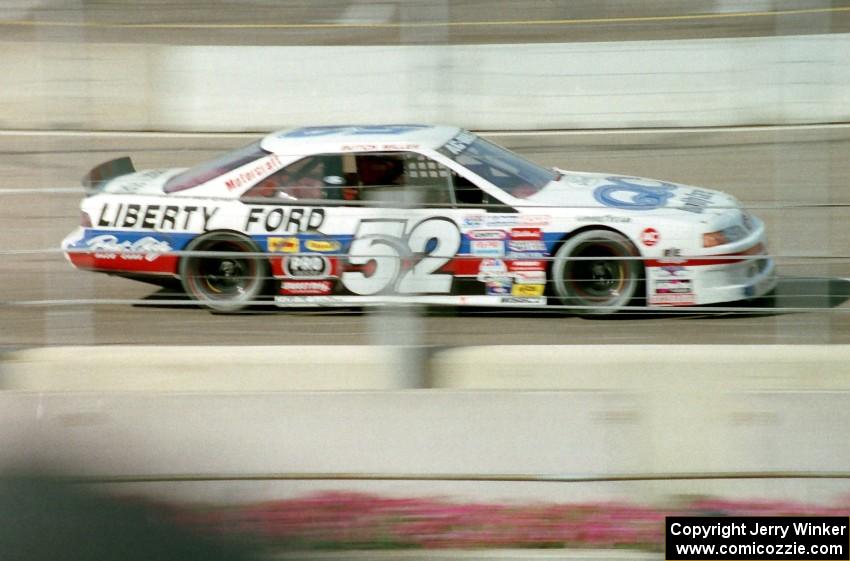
x: 359, y: 138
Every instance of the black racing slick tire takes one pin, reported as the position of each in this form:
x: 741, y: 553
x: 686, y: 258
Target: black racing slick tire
x: 597, y: 272
x: 224, y: 280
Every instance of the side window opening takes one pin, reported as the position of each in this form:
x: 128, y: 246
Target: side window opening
x: 302, y: 180
x: 509, y: 172
x: 202, y: 173
x: 395, y: 177
x: 466, y: 192
x: 401, y: 177
x: 432, y: 181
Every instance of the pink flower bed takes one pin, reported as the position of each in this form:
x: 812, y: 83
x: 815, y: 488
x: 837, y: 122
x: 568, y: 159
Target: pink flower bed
x: 342, y: 520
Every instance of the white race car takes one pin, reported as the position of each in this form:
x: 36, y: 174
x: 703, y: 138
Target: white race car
x: 363, y: 215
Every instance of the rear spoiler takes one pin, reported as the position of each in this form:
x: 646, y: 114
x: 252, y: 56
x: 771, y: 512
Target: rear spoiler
x: 99, y: 175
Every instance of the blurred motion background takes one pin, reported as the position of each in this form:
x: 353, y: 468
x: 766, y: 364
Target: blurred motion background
x: 441, y: 429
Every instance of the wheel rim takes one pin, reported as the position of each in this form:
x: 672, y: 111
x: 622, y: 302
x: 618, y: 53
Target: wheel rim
x: 599, y: 276
x: 224, y: 277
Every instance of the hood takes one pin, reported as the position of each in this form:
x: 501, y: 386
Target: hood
x: 632, y: 195
x: 148, y: 182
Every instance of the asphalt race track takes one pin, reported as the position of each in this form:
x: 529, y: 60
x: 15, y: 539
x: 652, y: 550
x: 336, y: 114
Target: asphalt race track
x: 793, y: 177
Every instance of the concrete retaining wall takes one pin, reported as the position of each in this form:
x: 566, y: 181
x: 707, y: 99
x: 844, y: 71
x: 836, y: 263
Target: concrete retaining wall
x: 657, y: 369
x: 698, y: 82
x: 571, y: 410
x: 121, y: 368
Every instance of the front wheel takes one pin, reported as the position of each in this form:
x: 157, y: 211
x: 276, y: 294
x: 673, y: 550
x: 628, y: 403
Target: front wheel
x: 597, y: 271
x: 225, y: 280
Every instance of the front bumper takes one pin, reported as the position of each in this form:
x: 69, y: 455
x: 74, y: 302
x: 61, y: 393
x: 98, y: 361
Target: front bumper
x: 739, y: 271
x: 684, y: 285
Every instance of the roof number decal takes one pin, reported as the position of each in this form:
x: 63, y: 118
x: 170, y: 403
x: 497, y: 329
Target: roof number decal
x: 309, y: 132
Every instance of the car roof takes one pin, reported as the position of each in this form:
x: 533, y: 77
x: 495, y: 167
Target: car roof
x: 343, y: 138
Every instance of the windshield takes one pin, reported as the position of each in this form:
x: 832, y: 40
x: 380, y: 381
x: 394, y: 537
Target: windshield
x: 210, y: 170
x: 501, y: 167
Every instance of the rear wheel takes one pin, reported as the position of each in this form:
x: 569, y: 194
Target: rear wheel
x: 225, y: 281
x: 598, y: 271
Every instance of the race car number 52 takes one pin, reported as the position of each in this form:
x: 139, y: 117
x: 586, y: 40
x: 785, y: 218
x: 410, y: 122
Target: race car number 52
x: 384, y: 242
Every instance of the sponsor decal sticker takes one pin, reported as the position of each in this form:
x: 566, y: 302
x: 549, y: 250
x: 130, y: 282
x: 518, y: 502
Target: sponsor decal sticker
x: 306, y: 288
x: 107, y: 246
x: 487, y: 248
x: 607, y: 218
x: 458, y: 144
x: 499, y: 286
x: 502, y: 220
x: 528, y: 248
x: 520, y: 300
x: 673, y: 253
x: 527, y: 265
x: 492, y: 268
x: 650, y: 237
x: 673, y: 286
x: 672, y: 299
x: 505, y: 220
x: 634, y: 193
x: 284, y: 219
x: 695, y: 201
x: 282, y: 245
x: 246, y: 174
x: 486, y: 235
x: 535, y: 219
x: 517, y: 220
x: 527, y: 290
x: 171, y: 218
x: 529, y: 277
x: 155, y: 217
x: 308, y: 300
x: 526, y: 234
x: 322, y: 246
x: 473, y: 220
x: 306, y: 266
x: 672, y: 270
